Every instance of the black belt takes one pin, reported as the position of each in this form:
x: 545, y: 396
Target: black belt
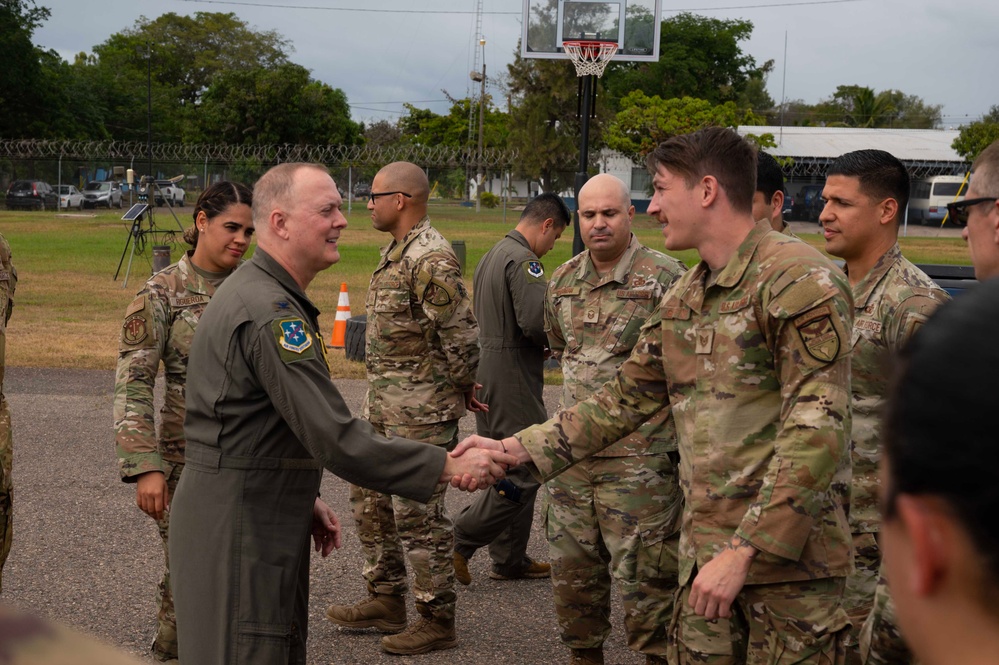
x: 212, y: 458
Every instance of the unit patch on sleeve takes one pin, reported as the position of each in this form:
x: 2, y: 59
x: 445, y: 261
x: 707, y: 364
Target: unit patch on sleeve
x: 134, y: 329
x: 535, y: 269
x: 293, y: 338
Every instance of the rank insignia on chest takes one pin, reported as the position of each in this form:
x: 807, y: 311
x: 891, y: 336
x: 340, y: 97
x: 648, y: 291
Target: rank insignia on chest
x: 535, y: 269
x: 294, y: 336
x: 705, y: 340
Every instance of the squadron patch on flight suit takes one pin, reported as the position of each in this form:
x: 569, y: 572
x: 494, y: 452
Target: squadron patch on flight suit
x: 534, y: 269
x: 293, y: 339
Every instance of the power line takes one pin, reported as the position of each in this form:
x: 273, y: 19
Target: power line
x: 800, y: 3
x: 761, y: 6
x: 346, y: 9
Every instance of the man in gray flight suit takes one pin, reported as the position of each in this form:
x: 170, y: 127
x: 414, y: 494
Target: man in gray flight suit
x: 509, y: 305
x: 263, y: 419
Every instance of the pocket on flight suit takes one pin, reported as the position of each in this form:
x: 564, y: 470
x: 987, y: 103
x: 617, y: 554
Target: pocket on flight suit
x: 260, y: 639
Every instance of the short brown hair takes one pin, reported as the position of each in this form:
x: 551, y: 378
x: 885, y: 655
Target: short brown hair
x: 716, y: 151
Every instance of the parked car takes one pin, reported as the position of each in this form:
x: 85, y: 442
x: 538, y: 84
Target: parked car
x: 31, y: 194
x: 362, y: 190
x: 69, y: 197
x: 105, y: 193
x: 166, y: 191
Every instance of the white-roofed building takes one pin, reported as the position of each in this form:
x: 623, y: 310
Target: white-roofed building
x: 925, y: 152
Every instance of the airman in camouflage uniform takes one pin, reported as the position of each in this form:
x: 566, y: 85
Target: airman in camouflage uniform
x: 750, y: 350
x: 866, y: 193
x: 768, y: 199
x: 8, y: 282
x: 421, y: 356
x: 621, y: 507
x: 159, y: 326
x: 158, y: 330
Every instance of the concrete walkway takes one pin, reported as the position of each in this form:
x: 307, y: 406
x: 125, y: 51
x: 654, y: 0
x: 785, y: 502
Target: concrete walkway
x: 84, y: 554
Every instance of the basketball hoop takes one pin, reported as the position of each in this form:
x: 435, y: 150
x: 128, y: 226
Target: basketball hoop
x: 590, y: 56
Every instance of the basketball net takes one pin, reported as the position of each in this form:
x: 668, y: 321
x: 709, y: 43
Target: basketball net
x: 590, y: 57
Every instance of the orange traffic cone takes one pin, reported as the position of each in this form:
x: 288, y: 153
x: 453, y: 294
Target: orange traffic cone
x: 342, y: 314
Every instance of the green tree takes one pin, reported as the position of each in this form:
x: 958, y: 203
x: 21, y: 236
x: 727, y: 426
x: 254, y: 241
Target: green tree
x: 860, y: 106
x: 185, y: 56
x: 382, y: 133
x: 424, y: 127
x: 190, y: 51
x: 644, y: 122
x: 544, y: 127
x: 21, y: 101
x: 977, y: 136
x: 281, y: 104
x: 699, y: 57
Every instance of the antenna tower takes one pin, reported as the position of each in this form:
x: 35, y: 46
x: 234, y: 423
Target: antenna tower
x: 476, y: 65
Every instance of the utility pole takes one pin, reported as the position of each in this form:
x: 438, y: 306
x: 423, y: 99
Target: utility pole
x: 480, y: 176
x: 149, y: 109
x: 471, y: 92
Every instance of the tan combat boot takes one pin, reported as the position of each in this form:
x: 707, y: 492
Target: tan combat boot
x: 382, y: 612
x: 587, y: 656
x: 532, y: 571
x: 461, y: 569
x: 427, y: 634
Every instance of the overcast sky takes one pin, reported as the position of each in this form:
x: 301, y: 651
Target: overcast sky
x: 386, y: 52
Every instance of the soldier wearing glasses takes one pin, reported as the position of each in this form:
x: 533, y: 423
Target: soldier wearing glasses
x: 422, y: 354
x: 978, y: 213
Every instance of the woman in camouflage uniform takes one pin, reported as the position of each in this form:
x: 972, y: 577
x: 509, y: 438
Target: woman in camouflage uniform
x: 158, y: 328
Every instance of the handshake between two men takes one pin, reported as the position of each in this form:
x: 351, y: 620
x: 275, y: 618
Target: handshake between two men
x: 479, y: 462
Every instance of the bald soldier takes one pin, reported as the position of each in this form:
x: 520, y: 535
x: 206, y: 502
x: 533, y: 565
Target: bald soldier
x: 421, y: 356
x: 614, y: 515
x: 263, y: 420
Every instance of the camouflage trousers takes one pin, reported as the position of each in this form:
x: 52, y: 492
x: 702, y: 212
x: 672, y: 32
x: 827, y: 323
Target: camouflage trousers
x: 388, y: 526
x: 858, y: 598
x: 615, y: 516
x: 6, y: 485
x: 165, y: 643
x: 881, y: 641
x: 772, y: 624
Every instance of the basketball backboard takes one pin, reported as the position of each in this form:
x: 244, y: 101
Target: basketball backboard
x: 633, y: 24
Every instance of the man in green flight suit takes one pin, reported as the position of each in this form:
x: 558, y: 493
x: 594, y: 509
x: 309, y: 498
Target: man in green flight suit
x: 263, y: 420
x: 509, y: 304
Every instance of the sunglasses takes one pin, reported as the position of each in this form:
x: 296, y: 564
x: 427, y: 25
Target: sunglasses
x: 958, y: 212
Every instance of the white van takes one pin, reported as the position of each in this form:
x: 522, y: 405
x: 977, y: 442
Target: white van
x: 928, y: 198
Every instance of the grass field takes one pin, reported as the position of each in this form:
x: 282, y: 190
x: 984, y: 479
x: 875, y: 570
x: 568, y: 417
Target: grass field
x: 68, y: 308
